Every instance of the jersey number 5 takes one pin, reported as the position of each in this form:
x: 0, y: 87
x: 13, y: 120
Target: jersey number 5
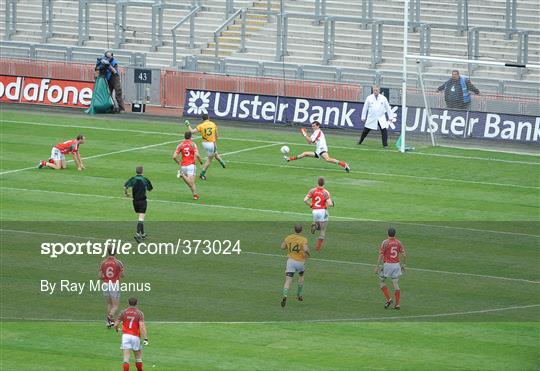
x: 393, y: 252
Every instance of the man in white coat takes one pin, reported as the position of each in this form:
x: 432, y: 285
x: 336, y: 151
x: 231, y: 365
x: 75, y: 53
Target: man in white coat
x: 373, y: 115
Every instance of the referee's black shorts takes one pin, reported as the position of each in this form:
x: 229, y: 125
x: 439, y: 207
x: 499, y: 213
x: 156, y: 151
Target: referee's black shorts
x: 139, y: 206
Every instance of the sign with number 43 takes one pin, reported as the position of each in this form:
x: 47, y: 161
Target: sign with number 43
x: 142, y: 76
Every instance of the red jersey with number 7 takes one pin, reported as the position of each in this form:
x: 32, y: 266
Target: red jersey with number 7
x: 131, y: 318
x: 188, y: 149
x: 318, y: 196
x: 111, y: 269
x: 390, y: 250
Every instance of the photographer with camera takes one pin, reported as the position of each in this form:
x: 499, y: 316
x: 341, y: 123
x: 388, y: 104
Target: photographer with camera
x: 107, y: 66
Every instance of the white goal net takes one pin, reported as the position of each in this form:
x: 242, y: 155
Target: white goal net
x: 463, y: 103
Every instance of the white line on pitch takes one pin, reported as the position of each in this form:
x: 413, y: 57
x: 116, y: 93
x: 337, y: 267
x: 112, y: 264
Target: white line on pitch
x: 249, y: 149
x: 274, y: 211
x: 97, y: 156
x: 390, y: 175
x: 332, y: 320
x: 296, y: 144
x: 412, y: 269
x: 273, y: 165
x: 139, y: 148
x: 314, y: 259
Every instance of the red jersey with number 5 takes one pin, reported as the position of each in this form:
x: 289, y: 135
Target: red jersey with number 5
x: 111, y: 269
x: 318, y: 196
x: 188, y: 149
x: 390, y: 250
x: 131, y: 318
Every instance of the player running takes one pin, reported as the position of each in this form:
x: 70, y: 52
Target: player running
x: 110, y: 272
x: 132, y: 320
x: 58, y: 152
x: 297, y: 252
x: 390, y: 253
x: 189, y: 152
x: 319, y: 200
x: 209, y: 133
x: 321, y: 150
x: 140, y: 185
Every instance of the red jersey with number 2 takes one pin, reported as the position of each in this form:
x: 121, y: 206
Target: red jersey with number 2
x: 131, y: 318
x: 188, y: 149
x: 111, y: 269
x: 318, y: 196
x: 390, y: 250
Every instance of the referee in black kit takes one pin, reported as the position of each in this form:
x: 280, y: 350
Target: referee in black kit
x: 140, y: 184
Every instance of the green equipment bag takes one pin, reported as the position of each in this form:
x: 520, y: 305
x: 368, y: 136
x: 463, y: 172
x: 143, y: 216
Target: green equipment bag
x: 101, y: 98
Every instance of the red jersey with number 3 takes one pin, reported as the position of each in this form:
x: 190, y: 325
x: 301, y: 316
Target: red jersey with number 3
x: 131, y: 318
x: 390, y: 250
x: 318, y: 196
x: 111, y: 269
x: 188, y: 149
x: 69, y: 146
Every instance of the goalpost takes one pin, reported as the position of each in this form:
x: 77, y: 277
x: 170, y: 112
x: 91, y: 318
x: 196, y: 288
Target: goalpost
x: 421, y: 102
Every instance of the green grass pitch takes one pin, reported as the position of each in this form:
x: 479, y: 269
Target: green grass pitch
x: 469, y: 220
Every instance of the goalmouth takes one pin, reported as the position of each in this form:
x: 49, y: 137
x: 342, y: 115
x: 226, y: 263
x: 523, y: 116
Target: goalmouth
x: 443, y: 105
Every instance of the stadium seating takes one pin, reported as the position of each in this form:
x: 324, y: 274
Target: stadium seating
x: 305, y: 39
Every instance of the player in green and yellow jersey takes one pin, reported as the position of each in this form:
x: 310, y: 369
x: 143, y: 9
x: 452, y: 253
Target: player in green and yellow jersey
x: 297, y: 253
x: 209, y: 134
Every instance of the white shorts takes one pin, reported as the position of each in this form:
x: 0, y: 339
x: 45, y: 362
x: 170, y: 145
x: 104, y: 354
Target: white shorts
x: 320, y: 215
x: 188, y: 170
x: 131, y: 342
x: 210, y: 148
x: 56, y: 155
x: 319, y: 151
x: 294, y: 266
x: 111, y: 291
x: 390, y: 270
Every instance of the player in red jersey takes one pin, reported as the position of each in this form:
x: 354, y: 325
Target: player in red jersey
x: 189, y: 152
x: 110, y: 272
x: 319, y: 200
x: 58, y: 152
x: 392, y: 256
x: 132, y: 320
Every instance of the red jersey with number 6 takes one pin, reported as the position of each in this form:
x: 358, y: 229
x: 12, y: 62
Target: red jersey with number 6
x: 131, y: 318
x: 188, y: 149
x: 318, y: 196
x: 111, y: 269
x: 390, y: 250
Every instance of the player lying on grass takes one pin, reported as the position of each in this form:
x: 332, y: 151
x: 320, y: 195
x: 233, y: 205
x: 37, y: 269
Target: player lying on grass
x: 297, y: 253
x: 139, y: 184
x: 132, y: 320
x: 389, y: 255
x: 321, y: 150
x: 189, y: 152
x: 318, y: 199
x: 209, y: 133
x: 110, y: 272
x: 58, y: 152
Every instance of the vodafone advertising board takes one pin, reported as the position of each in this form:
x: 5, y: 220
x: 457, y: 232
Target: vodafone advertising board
x: 21, y: 89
